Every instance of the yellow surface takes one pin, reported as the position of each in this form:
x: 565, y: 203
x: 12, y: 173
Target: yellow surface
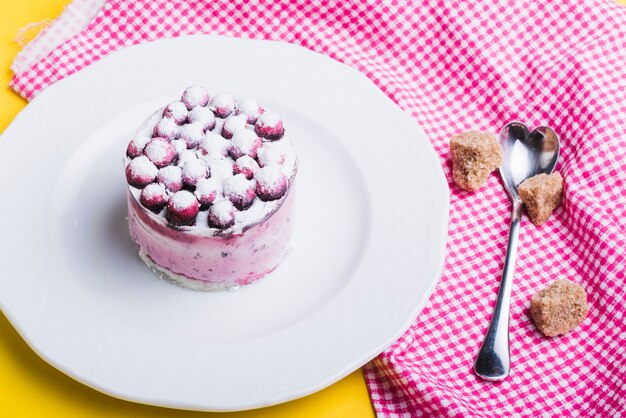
x: 29, y: 387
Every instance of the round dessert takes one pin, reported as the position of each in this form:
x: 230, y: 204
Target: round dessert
x: 210, y: 191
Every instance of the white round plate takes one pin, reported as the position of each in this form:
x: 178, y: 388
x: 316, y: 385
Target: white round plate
x: 371, y: 226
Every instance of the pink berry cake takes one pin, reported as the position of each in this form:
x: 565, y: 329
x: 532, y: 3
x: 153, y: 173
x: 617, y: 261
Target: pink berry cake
x: 210, y: 196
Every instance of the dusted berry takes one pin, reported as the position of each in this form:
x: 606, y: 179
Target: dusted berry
x: 195, y: 96
x: 136, y: 146
x: 140, y: 172
x: 222, y: 214
x: 207, y: 191
x: 202, y: 115
x: 213, y: 146
x: 160, y: 152
x: 176, y: 111
x: 240, y: 191
x: 166, y: 128
x: 182, y: 208
x: 191, y: 133
x: 233, y: 124
x: 223, y: 105
x: 250, y: 108
x: 171, y: 177
x: 271, y: 183
x: 244, y: 142
x: 246, y: 165
x: 154, y: 197
x: 269, y: 126
x: 193, y: 171
x: 271, y: 153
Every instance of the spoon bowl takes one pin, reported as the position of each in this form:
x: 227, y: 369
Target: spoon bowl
x: 525, y: 154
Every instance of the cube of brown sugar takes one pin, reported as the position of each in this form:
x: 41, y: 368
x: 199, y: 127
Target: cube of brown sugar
x: 474, y: 156
x: 559, y: 308
x: 541, y: 194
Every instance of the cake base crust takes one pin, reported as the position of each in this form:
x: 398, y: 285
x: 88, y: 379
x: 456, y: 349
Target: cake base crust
x: 201, y: 285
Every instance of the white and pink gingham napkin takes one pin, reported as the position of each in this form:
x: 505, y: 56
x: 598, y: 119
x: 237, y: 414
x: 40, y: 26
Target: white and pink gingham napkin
x: 454, y: 65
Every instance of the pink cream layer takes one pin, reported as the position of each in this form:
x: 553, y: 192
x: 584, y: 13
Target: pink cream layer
x: 231, y: 260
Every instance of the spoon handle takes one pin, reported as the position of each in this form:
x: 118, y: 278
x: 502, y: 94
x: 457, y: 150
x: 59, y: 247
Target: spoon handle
x: 493, y: 360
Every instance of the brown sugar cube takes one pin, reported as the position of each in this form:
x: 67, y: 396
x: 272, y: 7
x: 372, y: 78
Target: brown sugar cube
x: 541, y: 194
x: 474, y: 156
x: 559, y: 308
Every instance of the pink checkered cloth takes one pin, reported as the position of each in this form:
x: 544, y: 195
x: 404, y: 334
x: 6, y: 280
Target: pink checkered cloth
x: 453, y: 66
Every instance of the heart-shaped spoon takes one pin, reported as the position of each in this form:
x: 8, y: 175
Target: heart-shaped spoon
x: 525, y: 154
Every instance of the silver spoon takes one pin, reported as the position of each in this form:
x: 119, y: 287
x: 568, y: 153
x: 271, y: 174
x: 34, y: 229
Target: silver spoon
x: 525, y: 154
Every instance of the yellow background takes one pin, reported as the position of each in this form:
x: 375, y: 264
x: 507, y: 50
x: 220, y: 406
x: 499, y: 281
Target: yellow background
x: 29, y: 387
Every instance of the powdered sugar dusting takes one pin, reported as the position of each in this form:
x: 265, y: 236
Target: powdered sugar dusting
x: 177, y: 111
x: 143, y: 167
x: 244, y: 142
x: 269, y: 176
x: 192, y: 133
x: 204, y: 162
x: 205, y: 187
x: 158, y: 149
x: 237, y: 184
x: 167, y: 128
x: 250, y: 108
x: 223, y: 101
x: 233, y: 124
x: 183, y: 199
x: 202, y: 115
x: 220, y: 168
x: 213, y: 146
x: 195, y: 96
x: 195, y: 169
x: 179, y: 145
x: 154, y: 190
x: 222, y: 210
x: 268, y: 119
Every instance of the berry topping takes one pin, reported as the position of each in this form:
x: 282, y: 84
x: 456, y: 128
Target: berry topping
x: 220, y: 169
x: 222, y: 214
x: 171, y: 177
x: 240, y: 191
x: 250, y: 108
x: 233, y: 124
x: 271, y: 153
x: 195, y: 96
x: 192, y: 133
x: 140, y: 172
x: 223, y: 105
x: 246, y: 165
x: 218, y: 155
x: 202, y: 115
x: 154, y: 197
x: 166, y: 128
x: 193, y: 171
x: 207, y: 191
x: 179, y: 145
x: 160, y: 152
x: 271, y: 183
x: 176, y: 111
x: 136, y: 146
x: 244, y: 142
x: 269, y: 126
x: 182, y: 208
x: 212, y: 146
